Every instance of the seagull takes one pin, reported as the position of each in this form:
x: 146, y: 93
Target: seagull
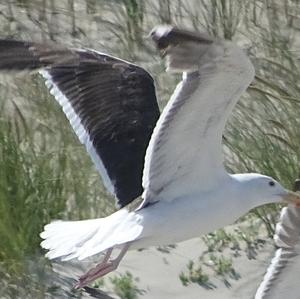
x: 173, y: 160
x: 281, y: 279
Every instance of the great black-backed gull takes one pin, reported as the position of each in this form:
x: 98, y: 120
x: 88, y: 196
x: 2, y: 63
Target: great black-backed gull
x: 174, y: 160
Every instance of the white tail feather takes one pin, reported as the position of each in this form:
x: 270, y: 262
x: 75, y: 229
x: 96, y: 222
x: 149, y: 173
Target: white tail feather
x: 81, y: 239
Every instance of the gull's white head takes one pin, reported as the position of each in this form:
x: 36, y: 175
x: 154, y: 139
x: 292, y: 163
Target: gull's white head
x: 261, y: 189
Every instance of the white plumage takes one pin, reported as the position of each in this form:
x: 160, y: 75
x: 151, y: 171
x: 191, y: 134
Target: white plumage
x: 81, y: 239
x: 185, y: 150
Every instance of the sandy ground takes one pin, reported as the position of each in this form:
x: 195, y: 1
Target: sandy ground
x: 159, y: 273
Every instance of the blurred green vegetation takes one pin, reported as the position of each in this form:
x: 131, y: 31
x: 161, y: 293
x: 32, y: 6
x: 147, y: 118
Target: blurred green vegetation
x: 45, y: 172
x: 45, y: 175
x: 125, y: 286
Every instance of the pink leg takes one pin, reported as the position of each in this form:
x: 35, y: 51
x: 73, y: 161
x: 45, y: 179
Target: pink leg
x: 102, y: 268
x: 95, y: 269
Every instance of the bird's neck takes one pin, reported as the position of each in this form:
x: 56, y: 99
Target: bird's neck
x: 245, y: 193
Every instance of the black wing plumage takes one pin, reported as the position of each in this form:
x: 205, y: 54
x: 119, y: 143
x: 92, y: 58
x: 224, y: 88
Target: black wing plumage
x: 110, y: 103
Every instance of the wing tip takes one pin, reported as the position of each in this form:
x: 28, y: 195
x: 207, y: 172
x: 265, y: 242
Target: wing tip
x: 165, y: 35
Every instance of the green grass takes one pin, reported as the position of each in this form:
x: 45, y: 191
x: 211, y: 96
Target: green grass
x: 125, y: 286
x: 45, y: 173
x: 31, y: 193
x: 195, y: 274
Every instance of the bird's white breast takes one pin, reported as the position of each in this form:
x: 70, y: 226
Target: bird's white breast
x: 187, y: 217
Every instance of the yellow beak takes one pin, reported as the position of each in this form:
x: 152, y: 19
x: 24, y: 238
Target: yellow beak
x: 292, y: 198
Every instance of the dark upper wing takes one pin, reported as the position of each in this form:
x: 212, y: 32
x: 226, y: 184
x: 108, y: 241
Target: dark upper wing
x: 110, y: 103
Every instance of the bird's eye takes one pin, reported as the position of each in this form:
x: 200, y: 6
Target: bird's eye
x: 271, y: 183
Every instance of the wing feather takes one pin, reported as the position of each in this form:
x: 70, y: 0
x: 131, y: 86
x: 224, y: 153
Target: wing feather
x: 280, y: 280
x: 185, y: 151
x: 110, y: 103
